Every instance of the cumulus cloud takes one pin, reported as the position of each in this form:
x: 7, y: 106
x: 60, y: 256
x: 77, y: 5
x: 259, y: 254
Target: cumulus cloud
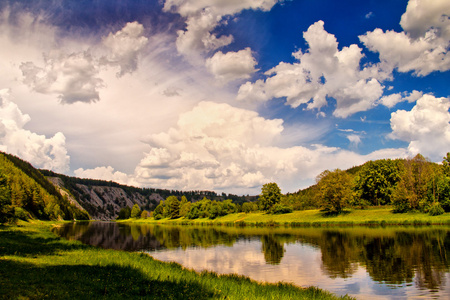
x: 103, y: 173
x: 426, y: 127
x: 224, y: 148
x: 42, y: 152
x: 202, y: 17
x: 125, y: 46
x: 232, y: 65
x: 73, y: 77
x: 322, y: 71
x: 392, y: 99
x: 423, y: 45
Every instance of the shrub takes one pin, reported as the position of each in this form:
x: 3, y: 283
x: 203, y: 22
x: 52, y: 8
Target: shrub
x: 436, y: 209
x: 280, y: 209
x: 21, y: 214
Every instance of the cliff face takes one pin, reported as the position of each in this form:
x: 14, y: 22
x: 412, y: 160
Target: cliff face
x: 104, y: 202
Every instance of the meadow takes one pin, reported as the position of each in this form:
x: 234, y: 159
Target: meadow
x: 375, y: 216
x: 37, y: 264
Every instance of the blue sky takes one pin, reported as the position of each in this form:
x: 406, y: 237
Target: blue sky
x: 222, y: 95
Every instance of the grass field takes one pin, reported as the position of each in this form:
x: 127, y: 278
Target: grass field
x: 372, y: 216
x: 36, y: 264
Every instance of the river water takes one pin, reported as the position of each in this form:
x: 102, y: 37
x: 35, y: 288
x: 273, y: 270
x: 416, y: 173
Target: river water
x: 367, y: 263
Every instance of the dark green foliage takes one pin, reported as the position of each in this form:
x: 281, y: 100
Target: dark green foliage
x: 270, y: 195
x: 29, y: 190
x: 436, y: 209
x: 376, y: 180
x: 280, y: 209
x: 249, y: 207
x: 124, y: 213
x: 6, y: 209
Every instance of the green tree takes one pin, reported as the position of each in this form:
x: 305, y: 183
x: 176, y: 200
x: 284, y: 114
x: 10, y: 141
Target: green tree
x: 334, y: 190
x: 6, y: 209
x: 158, y: 213
x: 411, y: 192
x: 144, y: 214
x: 376, y: 181
x: 185, y: 206
x: 172, y: 207
x: 135, y: 211
x: 270, y: 195
x: 124, y: 213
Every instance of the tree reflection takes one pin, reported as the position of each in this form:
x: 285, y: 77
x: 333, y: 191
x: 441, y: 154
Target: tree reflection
x: 273, y: 250
x: 339, y: 254
x: 392, y: 255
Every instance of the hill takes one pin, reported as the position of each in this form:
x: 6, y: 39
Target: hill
x: 25, y: 193
x: 104, y: 199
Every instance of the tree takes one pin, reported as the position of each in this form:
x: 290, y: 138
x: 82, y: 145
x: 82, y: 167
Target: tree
x: 185, y: 206
x: 124, y: 213
x: 158, y: 213
x: 270, y: 195
x: 6, y: 210
x: 411, y: 192
x: 172, y: 207
x: 334, y: 190
x: 135, y: 211
x: 376, y: 181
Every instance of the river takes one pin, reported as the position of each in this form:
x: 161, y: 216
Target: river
x: 364, y: 262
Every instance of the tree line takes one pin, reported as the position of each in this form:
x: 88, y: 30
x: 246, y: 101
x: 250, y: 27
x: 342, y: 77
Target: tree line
x: 412, y: 184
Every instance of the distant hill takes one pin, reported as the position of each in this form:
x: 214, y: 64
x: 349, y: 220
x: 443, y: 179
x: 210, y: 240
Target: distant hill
x: 104, y: 199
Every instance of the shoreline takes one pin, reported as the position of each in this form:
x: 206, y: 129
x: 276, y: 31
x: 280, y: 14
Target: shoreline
x: 310, y: 218
x: 36, y: 263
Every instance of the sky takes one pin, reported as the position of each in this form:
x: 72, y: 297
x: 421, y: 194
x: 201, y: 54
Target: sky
x: 222, y: 95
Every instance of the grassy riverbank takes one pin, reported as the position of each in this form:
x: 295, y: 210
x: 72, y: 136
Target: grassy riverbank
x: 36, y: 264
x: 372, y: 216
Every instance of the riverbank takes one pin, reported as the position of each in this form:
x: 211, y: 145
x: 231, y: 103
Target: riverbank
x: 36, y: 264
x: 358, y: 217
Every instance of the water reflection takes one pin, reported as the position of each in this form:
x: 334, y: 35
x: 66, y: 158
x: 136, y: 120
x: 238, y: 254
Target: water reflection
x: 405, y: 262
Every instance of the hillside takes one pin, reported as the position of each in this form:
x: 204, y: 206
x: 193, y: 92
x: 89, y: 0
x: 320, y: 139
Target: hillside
x: 25, y: 193
x: 104, y: 199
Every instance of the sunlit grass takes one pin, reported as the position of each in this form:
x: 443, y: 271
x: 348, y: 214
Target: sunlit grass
x: 36, y: 264
x: 371, y: 216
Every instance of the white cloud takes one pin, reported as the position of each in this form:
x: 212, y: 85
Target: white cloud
x: 202, y: 18
x: 423, y: 46
x: 124, y: 46
x: 426, y: 127
x: 322, y: 71
x: 73, y: 77
x: 392, y: 99
x: 42, y: 152
x: 223, y: 148
x: 220, y: 7
x: 103, y: 173
x: 232, y: 65
x: 421, y: 15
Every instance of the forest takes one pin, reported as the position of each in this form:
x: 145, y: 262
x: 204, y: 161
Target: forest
x: 25, y: 193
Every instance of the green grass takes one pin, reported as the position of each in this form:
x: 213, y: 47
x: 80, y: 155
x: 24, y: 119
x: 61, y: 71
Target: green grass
x: 371, y: 217
x: 36, y: 264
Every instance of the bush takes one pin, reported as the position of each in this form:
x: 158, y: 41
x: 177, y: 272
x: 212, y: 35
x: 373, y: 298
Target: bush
x: 436, y: 209
x: 280, y: 209
x: 21, y: 214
